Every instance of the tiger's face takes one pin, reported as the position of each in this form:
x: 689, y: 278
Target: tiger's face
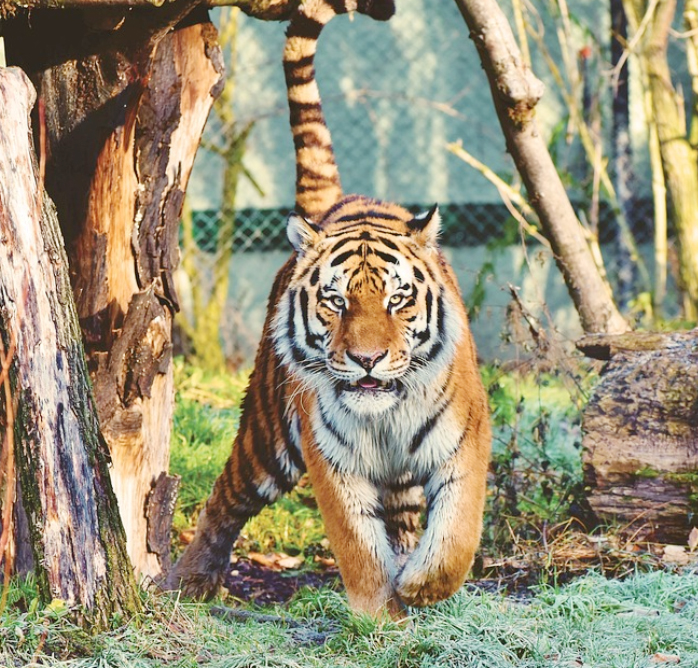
x: 366, y: 314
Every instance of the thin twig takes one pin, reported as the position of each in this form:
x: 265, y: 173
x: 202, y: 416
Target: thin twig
x: 509, y: 195
x: 615, y: 74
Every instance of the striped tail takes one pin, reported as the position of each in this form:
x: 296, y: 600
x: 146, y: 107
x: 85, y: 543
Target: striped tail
x: 318, y: 186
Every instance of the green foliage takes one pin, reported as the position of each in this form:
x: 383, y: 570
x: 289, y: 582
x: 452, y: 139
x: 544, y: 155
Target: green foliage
x: 205, y: 422
x: 536, y: 460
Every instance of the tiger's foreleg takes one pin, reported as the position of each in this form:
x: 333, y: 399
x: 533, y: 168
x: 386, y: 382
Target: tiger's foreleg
x: 351, y: 510
x: 455, y: 501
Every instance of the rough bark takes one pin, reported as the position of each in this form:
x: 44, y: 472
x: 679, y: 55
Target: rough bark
x: 641, y: 433
x: 516, y: 91
x: 125, y: 104
x: 77, y: 535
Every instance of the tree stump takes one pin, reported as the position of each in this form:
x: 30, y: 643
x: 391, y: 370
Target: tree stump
x: 125, y: 96
x: 640, y: 433
x: 77, y: 537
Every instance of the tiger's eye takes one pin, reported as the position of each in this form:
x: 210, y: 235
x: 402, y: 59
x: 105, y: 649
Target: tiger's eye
x: 395, y: 300
x: 337, y: 301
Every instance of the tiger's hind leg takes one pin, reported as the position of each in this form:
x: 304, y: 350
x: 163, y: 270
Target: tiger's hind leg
x: 256, y: 474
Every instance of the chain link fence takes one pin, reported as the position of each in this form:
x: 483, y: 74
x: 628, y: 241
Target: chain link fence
x: 395, y: 95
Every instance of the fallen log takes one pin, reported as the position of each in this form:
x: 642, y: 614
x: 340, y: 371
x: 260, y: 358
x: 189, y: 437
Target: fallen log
x: 640, y: 433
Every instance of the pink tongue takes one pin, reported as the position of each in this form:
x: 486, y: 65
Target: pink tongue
x: 368, y: 383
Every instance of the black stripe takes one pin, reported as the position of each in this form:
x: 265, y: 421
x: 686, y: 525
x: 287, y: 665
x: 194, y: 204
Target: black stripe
x: 339, y: 6
x: 315, y: 276
x: 440, y: 329
x: 304, y: 26
x: 311, y: 340
x: 418, y: 275
x: 332, y: 429
x: 395, y: 525
x: 315, y: 186
x: 374, y: 226
x: 301, y: 62
x: 389, y: 244
x: 364, y: 216
x: 342, y: 257
x: 294, y: 78
x: 427, y: 427
x: 343, y: 242
x: 435, y: 492
x: 247, y: 480
x: 305, y: 112
x: 281, y: 406
x: 423, y: 336
x: 265, y: 438
x: 225, y: 487
x: 386, y: 257
x: 310, y: 139
x: 402, y: 486
x: 404, y: 508
x: 296, y: 352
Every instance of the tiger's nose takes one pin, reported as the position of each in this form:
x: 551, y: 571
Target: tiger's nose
x: 366, y: 360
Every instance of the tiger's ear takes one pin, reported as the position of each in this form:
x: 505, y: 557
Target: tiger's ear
x: 301, y: 233
x: 426, y: 226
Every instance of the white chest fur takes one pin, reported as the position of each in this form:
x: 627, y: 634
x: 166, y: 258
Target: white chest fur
x: 416, y: 437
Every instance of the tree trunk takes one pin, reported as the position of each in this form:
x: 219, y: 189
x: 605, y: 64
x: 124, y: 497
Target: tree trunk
x: 77, y: 535
x: 125, y: 100
x: 515, y: 92
x: 621, y: 154
x: 679, y: 156
x: 641, y: 433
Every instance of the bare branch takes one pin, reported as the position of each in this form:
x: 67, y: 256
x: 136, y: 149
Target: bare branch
x: 516, y: 91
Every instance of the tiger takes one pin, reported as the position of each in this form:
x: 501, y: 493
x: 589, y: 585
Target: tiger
x: 366, y: 378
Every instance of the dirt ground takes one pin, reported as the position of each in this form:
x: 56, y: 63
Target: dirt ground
x: 267, y: 579
x: 264, y: 585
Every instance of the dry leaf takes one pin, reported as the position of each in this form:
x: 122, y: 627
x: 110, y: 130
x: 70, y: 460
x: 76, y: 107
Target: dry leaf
x: 268, y: 561
x: 186, y: 536
x: 676, y: 554
x: 693, y: 539
x: 325, y: 562
x: 665, y: 658
x: 287, y: 562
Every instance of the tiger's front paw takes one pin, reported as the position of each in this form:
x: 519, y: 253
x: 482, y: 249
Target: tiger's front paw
x: 426, y: 586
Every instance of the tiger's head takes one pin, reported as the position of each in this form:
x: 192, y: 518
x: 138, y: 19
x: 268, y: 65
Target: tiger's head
x: 370, y: 312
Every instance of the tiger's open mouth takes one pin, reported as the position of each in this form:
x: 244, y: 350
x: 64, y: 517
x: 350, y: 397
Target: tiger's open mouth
x: 369, y: 384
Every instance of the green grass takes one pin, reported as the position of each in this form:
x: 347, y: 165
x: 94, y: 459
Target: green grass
x: 592, y: 622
